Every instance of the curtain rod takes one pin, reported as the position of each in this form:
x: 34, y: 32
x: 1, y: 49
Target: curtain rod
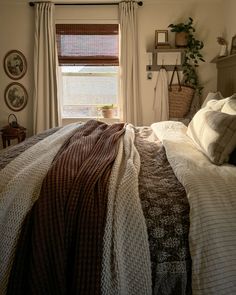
x: 140, y: 3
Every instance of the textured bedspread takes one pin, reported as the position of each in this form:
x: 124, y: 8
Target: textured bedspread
x: 165, y: 209
x: 126, y: 263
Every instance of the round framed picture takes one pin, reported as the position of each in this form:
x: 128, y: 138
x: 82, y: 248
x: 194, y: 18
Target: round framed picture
x: 15, y: 64
x: 16, y: 96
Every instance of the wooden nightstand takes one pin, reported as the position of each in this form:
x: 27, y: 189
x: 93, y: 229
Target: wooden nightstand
x: 9, y: 133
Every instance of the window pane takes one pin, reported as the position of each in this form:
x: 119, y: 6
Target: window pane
x: 85, y: 89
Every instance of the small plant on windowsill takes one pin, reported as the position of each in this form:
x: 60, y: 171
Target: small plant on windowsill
x: 192, y: 55
x: 107, y: 110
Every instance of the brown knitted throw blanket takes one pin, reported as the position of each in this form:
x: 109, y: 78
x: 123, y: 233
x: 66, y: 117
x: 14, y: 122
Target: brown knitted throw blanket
x: 60, y: 247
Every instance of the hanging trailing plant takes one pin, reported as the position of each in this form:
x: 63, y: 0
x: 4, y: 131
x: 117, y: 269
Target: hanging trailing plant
x: 192, y: 56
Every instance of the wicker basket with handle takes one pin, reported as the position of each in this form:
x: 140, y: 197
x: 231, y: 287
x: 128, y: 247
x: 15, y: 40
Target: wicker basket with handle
x: 180, y: 97
x: 13, y: 123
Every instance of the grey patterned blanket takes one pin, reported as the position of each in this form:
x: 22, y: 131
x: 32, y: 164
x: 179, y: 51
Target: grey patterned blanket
x: 165, y: 208
x: 166, y: 211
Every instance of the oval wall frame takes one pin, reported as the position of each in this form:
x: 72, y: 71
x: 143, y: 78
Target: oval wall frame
x: 16, y: 96
x: 15, y: 64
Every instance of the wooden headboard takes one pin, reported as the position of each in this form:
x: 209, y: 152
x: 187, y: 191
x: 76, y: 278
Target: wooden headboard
x: 226, y: 75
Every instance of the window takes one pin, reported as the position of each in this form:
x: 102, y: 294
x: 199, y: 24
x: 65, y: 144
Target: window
x: 88, y: 56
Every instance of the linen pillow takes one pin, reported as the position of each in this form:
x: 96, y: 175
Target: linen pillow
x: 211, y: 96
x: 230, y: 106
x: 214, y: 133
x: 217, y: 105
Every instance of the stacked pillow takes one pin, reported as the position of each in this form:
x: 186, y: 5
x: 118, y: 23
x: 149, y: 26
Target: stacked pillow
x: 213, y: 130
x: 212, y: 96
x: 230, y: 106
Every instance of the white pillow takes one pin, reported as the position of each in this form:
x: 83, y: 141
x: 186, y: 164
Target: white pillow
x: 230, y: 106
x: 214, y: 133
x: 210, y: 96
x: 216, y: 105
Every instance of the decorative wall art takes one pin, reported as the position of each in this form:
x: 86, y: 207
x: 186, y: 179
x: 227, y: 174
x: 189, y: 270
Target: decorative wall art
x: 16, y: 96
x: 161, y: 39
x: 15, y: 64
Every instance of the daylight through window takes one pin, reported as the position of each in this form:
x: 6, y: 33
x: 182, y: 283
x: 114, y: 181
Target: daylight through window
x: 88, y: 56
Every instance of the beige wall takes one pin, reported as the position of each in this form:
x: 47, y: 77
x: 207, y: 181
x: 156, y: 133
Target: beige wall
x: 157, y: 15
x: 87, y: 14
x: 229, y: 27
x: 16, y: 32
x: 17, y: 26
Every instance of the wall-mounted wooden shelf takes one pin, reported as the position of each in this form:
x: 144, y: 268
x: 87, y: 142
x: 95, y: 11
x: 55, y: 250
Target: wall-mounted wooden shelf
x: 168, y: 50
x: 168, y: 54
x: 158, y: 67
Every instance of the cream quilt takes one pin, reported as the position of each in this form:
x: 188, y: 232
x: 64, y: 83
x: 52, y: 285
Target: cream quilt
x: 211, y: 191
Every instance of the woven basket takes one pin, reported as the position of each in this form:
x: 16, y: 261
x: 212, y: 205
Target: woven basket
x: 13, y: 123
x: 180, y: 101
x: 180, y: 98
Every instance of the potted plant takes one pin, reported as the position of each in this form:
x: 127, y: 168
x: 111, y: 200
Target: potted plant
x: 107, y: 111
x: 182, y: 31
x: 192, y: 55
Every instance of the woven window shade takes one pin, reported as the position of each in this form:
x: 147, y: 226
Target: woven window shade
x: 88, y: 44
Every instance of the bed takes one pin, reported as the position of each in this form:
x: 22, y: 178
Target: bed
x: 116, y: 209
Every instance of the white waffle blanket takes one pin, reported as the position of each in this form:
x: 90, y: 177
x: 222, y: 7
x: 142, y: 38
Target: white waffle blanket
x: 20, y: 184
x: 126, y: 268
x: 211, y: 191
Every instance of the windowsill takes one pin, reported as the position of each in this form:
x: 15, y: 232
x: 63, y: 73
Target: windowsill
x: 66, y: 121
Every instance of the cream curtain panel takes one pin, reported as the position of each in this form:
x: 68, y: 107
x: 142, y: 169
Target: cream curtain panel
x: 129, y: 88
x: 45, y: 98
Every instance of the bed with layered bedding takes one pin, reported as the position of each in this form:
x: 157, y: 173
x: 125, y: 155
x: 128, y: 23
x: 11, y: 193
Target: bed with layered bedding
x: 117, y: 209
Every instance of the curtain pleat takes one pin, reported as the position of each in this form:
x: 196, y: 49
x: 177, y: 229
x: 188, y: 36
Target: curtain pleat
x: 129, y: 88
x: 46, y: 105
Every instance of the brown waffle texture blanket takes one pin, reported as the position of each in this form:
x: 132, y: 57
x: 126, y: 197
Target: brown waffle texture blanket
x: 67, y: 221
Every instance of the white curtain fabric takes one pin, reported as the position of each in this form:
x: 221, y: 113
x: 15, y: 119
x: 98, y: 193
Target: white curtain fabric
x: 129, y: 88
x: 161, y: 97
x: 45, y: 98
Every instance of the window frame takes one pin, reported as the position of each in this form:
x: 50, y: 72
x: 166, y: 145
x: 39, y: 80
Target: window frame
x: 110, y: 21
